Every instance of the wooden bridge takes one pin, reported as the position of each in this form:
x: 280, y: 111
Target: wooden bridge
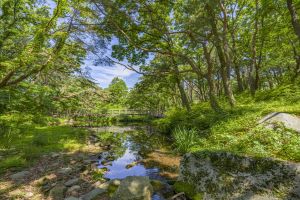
x: 89, y: 119
x: 118, y: 112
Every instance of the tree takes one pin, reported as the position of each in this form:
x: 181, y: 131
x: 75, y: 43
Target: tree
x: 118, y: 91
x: 294, y: 17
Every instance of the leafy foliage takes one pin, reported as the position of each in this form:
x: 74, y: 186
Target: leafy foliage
x: 118, y: 91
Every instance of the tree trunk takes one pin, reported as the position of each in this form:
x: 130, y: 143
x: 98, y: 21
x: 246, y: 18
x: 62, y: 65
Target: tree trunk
x: 294, y: 17
x: 253, y: 64
x: 184, y: 99
x: 222, y: 57
x: 212, y: 97
x: 236, y: 66
x: 297, y: 67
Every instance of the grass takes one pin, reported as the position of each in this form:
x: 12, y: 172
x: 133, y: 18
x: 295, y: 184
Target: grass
x: 21, y: 148
x: 236, y: 129
x: 184, y: 139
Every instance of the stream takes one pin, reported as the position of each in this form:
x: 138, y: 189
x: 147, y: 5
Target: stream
x: 137, y: 151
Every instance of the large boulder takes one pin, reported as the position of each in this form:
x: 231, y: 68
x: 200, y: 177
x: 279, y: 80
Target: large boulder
x: 134, y: 188
x: 288, y: 120
x: 222, y: 175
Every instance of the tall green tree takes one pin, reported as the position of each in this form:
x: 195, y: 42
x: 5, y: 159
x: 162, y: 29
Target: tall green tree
x: 118, y: 91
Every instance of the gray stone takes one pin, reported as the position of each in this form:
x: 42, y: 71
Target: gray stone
x: 57, y: 192
x: 288, y: 120
x: 93, y: 194
x: 71, y: 182
x: 134, y: 188
x: 115, y: 182
x: 105, y: 186
x: 65, y: 170
x: 130, y: 165
x: 222, y: 175
x: 72, y: 198
x: 29, y: 194
x: 73, y: 188
x: 55, y: 155
x: 20, y: 175
x: 296, y: 190
x: 87, y: 161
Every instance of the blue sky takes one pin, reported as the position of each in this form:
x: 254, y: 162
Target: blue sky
x: 103, y: 74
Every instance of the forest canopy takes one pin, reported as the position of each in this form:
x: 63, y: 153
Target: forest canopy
x: 186, y: 51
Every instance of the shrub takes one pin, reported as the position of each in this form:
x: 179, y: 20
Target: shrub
x: 289, y: 93
x: 185, y: 139
x: 174, y: 117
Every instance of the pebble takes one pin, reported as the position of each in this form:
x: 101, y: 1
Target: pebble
x: 92, y: 194
x: 72, y: 182
x: 65, y: 170
x: 29, y: 194
x: 57, y: 192
x: 72, y: 162
x: 55, y: 155
x: 71, y: 198
x: 73, y: 188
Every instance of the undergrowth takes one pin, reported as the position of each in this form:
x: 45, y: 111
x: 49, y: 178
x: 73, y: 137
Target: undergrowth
x: 237, y: 129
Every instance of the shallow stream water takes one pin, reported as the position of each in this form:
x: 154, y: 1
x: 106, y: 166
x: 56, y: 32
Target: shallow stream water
x: 136, y: 151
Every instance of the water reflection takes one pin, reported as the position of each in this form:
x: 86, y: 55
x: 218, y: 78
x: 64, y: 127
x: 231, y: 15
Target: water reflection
x: 118, y: 168
x: 129, y: 146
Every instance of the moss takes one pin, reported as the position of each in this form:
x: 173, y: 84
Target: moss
x: 111, y: 189
x: 157, y: 185
x: 198, y: 196
x: 188, y: 189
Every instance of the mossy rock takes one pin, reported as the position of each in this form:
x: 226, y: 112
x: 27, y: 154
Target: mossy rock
x: 222, y: 174
x: 112, y: 189
x: 188, y: 189
x: 157, y: 185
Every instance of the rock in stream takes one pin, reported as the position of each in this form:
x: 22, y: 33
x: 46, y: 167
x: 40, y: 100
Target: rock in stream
x: 222, y: 175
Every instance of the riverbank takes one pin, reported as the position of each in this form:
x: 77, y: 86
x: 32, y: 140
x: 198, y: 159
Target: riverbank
x: 237, y: 130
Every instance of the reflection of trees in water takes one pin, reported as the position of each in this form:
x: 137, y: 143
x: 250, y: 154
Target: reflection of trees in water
x: 115, y: 141
x: 140, y: 142
x: 144, y: 142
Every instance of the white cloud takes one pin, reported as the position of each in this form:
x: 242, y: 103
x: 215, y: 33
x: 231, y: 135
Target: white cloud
x: 104, y: 74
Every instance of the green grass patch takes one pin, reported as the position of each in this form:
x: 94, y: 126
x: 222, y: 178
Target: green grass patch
x: 21, y: 148
x: 185, y: 139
